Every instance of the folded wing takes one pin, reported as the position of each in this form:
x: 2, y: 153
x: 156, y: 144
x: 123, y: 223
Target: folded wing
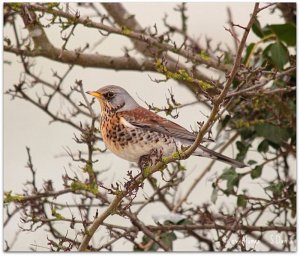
x: 145, y: 119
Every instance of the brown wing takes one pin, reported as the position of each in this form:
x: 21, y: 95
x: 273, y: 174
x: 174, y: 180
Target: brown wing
x: 143, y: 118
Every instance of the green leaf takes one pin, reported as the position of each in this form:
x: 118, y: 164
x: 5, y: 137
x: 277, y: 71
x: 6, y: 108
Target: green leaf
x: 243, y: 149
x: 248, y: 52
x: 251, y: 162
x: 240, y: 145
x: 247, y: 133
x: 272, y: 133
x: 153, y: 182
x: 232, y: 178
x: 241, y: 201
x: 261, y: 32
x: 256, y: 28
x: 279, y: 55
x: 265, y: 58
x: 168, y: 238
x: 263, y: 146
x: 184, y: 222
x: 256, y: 172
x: 276, y: 146
x: 146, y: 240
x: 228, y: 174
x: 266, y: 51
x: 276, y: 188
x: 225, y: 121
x: 266, y: 31
x: 285, y: 32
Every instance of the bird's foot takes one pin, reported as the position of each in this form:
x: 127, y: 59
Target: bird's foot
x: 151, y: 159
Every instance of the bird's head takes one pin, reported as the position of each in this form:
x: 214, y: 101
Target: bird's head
x: 114, y: 98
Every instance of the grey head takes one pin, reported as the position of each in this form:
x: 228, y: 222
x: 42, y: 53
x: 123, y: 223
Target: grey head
x: 115, y: 98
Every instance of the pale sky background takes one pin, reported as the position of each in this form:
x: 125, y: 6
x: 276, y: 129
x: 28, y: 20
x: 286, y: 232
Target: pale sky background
x: 25, y: 125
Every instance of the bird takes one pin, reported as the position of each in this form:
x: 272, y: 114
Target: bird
x: 138, y: 135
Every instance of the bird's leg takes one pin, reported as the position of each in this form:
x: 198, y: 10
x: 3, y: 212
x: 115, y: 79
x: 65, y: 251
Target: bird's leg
x: 150, y: 159
x: 143, y: 161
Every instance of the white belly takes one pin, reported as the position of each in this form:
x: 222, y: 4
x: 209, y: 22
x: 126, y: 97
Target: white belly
x: 135, y: 142
x: 133, y: 151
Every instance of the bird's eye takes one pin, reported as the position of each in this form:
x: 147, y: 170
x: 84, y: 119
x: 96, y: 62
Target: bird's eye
x: 109, y: 95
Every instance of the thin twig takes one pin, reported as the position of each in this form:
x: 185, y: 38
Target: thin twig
x: 200, y: 177
x: 114, y: 204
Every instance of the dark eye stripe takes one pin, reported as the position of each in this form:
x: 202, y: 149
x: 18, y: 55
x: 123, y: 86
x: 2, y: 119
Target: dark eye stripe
x: 109, y: 95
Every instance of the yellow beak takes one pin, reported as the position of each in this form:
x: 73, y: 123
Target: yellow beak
x: 95, y: 94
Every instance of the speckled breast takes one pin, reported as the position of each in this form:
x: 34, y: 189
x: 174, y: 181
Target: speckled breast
x: 131, y: 143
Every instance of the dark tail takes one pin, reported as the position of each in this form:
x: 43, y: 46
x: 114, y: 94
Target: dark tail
x: 214, y: 155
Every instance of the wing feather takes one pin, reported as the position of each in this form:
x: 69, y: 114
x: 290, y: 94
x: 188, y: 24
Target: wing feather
x: 145, y: 119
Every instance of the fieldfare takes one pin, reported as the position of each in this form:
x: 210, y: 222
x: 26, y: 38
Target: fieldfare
x: 141, y: 136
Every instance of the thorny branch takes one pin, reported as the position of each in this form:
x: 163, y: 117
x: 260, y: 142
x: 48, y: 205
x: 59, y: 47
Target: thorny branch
x: 189, y: 151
